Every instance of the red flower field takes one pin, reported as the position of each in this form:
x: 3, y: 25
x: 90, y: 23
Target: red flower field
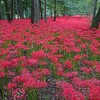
x: 49, y: 61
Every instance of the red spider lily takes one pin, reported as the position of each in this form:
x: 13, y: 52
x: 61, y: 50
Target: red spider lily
x: 18, y: 93
x: 45, y: 71
x: 87, y: 70
x: 32, y: 61
x: 31, y: 83
x: 38, y: 54
x: 94, y: 93
x: 68, y: 64
x: 97, y: 66
x: 60, y: 73
x: 71, y: 74
x: 83, y: 46
x: 77, y: 57
x: 76, y: 49
x: 11, y: 86
x: 37, y: 75
x: 2, y: 74
x: 88, y: 62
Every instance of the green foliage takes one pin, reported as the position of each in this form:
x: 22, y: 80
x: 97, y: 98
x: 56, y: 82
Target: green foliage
x: 83, y: 7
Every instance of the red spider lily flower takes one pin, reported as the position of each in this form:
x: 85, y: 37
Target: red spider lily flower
x: 63, y: 84
x: 9, y: 73
x: 60, y: 73
x: 71, y: 74
x: 45, y: 71
x: 83, y: 46
x: 32, y: 61
x: 43, y: 63
x: 69, y: 92
x: 97, y: 66
x: 91, y: 82
x: 2, y: 74
x: 78, y: 96
x: 20, y: 79
x: 68, y: 64
x: 76, y: 49
x: 87, y: 70
x: 38, y: 54
x: 94, y: 93
x: 77, y: 57
x: 32, y: 83
x: 22, y: 58
x: 5, y: 64
x: 36, y: 74
x: 14, y: 62
x: 21, y: 46
x: 88, y: 62
x: 18, y: 93
x: 77, y: 81
x: 54, y: 59
x: 93, y: 48
x: 58, y: 65
x: 11, y: 86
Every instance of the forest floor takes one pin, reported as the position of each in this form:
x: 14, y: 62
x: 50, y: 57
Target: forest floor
x: 49, y: 61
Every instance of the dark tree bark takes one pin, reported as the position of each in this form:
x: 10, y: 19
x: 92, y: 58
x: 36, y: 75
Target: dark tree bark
x: 35, y: 11
x: 7, y: 8
x: 45, y: 19
x: 41, y: 9
x: 94, y: 9
x: 17, y: 8
x: 20, y: 9
x: 32, y: 11
x: 0, y: 11
x: 54, y: 10
x: 38, y: 10
x: 95, y: 23
x: 51, y: 13
x: 12, y: 9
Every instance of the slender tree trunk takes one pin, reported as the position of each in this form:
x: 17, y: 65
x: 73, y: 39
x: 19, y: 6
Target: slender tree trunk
x: 45, y: 19
x: 35, y: 11
x: 0, y: 11
x: 32, y: 11
x: 41, y: 9
x: 38, y: 10
x: 95, y: 23
x: 94, y: 9
x: 51, y: 13
x: 20, y: 9
x: 6, y: 2
x: 54, y: 10
x: 17, y: 9
x: 12, y: 9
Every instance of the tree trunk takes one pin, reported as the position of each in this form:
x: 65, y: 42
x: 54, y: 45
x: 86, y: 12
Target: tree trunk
x: 51, y: 13
x: 54, y: 10
x: 12, y: 9
x: 94, y: 9
x: 38, y: 10
x: 0, y: 11
x: 45, y: 19
x: 32, y: 11
x: 41, y: 9
x: 35, y: 11
x: 20, y: 9
x: 6, y: 2
x: 95, y: 23
x: 17, y: 9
